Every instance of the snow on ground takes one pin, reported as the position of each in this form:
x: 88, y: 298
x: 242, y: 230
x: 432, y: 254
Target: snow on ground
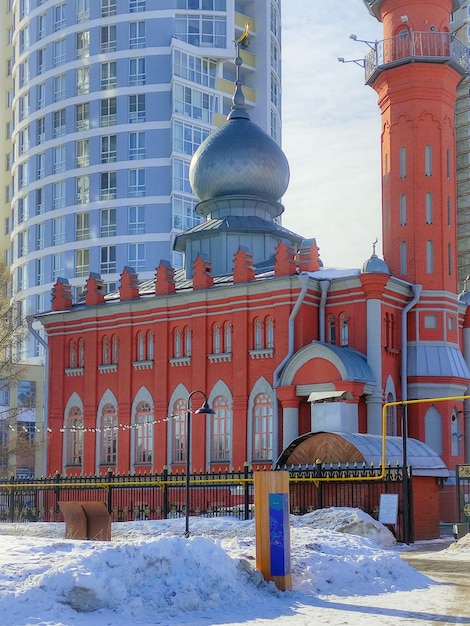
x: 151, y: 574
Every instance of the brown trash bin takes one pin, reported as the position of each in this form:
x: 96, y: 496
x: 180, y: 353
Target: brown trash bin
x: 86, y: 520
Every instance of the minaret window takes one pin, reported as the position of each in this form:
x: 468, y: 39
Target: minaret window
x: 449, y: 259
x: 403, y: 209
x: 177, y: 343
x: 217, y: 339
x: 332, y: 330
x: 386, y: 168
x: 428, y: 160
x: 81, y: 352
x: 228, y: 338
x: 391, y: 417
x: 449, y: 211
x: 150, y: 345
x: 72, y: 353
x: 429, y: 257
x: 140, y: 347
x: 402, y: 162
x: 403, y: 259
x: 269, y: 332
x: 108, y: 429
x: 258, y: 334
x: 187, y: 341
x: 429, y: 208
x: 448, y: 165
x: 456, y: 435
x: 115, y: 349
x: 105, y: 359
x: 344, y: 322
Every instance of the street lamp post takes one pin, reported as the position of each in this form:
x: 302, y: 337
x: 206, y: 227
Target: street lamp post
x: 204, y: 410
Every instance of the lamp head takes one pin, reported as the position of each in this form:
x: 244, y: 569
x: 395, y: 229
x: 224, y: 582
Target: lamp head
x: 353, y: 36
x: 205, y: 410
x: 404, y: 19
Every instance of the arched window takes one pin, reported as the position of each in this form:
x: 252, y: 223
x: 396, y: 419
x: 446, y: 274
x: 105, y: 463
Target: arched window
x: 217, y: 347
x: 115, y: 347
x: 433, y: 429
x: 179, y: 431
x: 150, y: 346
x: 258, y: 332
x: 269, y: 332
x: 332, y: 329
x: 227, y: 337
x: 140, y: 347
x: 391, y: 417
x: 74, y: 436
x: 108, y: 448
x: 105, y: 350
x: 177, y: 343
x: 344, y: 321
x: 72, y: 353
x: 143, y: 423
x: 221, y: 431
x: 262, y: 428
x: 81, y: 353
x: 187, y: 341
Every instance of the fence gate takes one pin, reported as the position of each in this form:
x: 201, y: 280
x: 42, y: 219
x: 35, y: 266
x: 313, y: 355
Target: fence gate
x: 463, y: 493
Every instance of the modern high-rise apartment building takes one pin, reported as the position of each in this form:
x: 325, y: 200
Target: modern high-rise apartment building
x: 460, y: 25
x: 105, y: 102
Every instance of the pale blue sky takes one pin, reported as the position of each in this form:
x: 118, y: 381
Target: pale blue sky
x: 331, y: 130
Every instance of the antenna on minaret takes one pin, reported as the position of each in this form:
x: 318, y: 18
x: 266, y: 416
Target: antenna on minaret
x: 238, y: 99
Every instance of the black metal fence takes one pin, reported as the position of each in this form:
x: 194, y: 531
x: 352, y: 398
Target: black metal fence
x: 162, y: 496
x: 463, y: 493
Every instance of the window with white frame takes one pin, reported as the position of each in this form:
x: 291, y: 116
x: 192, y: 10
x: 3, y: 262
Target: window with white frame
x: 108, y: 148
x: 82, y: 148
x: 275, y: 90
x: 137, y: 34
x: 108, y: 259
x: 179, y: 431
x: 24, y: 106
x: 82, y: 263
x: 181, y: 175
x: 83, y: 11
x: 74, y: 437
x: 83, y: 80
x: 40, y: 130
x: 108, y: 109
x: 108, y: 75
x: 82, y: 229
x: 136, y: 5
x: 203, y: 5
x: 137, y: 108
x: 143, y: 429
x: 221, y: 430
x: 136, y: 256
x: 58, y: 231
x: 184, y: 216
x: 41, y: 60
x: 196, y: 69
x: 108, y: 185
x: 58, y: 159
x: 108, y: 222
x: 41, y: 95
x: 193, y: 103
x: 59, y: 52
x: 137, y: 71
x: 108, y: 38
x: 262, y: 428
x: 82, y: 189
x: 136, y: 183
x: 108, y: 8
x: 40, y: 230
x: 136, y: 220
x: 20, y: 244
x: 59, y: 87
x: 136, y: 145
x: 59, y: 123
x: 202, y: 30
x: 83, y: 44
x: 188, y: 137
x: 59, y: 17
x: 58, y: 194
x: 82, y: 116
x: 23, y: 73
x: 23, y: 140
x: 39, y: 271
x: 39, y: 200
x: 24, y: 39
x: 41, y: 25
x: 58, y: 265
x: 108, y: 435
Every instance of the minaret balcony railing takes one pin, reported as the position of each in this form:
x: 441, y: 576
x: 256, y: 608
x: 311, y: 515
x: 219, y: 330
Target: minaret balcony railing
x: 411, y: 46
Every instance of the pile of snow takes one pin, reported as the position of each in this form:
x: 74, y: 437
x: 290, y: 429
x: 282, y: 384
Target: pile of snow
x: 151, y: 574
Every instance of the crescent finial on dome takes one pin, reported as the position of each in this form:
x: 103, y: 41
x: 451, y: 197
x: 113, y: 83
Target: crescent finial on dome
x: 238, y: 99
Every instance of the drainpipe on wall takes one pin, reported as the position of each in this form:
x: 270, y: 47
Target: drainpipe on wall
x: 34, y: 332
x: 324, y: 286
x: 303, y: 277
x: 417, y: 289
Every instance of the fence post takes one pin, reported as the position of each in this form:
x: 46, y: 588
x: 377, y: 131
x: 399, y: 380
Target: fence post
x: 320, y: 484
x: 109, y: 475
x: 246, y: 491
x: 57, y: 478
x: 165, y: 492
x: 11, y: 499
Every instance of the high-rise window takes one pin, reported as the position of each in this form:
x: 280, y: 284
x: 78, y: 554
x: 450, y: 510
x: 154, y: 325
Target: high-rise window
x: 137, y: 108
x: 41, y: 95
x: 108, y: 222
x: 136, y: 183
x: 202, y: 30
x: 40, y: 236
x: 188, y: 137
x: 58, y: 231
x: 59, y: 17
x: 136, y: 5
x: 193, y: 103
x: 59, y: 52
x: 195, y: 69
x: 108, y: 108
x: 136, y: 220
x: 108, y: 149
x: 24, y: 106
x: 83, y: 189
x: 137, y: 34
x: 108, y: 8
x: 108, y: 75
x: 40, y: 130
x: 59, y: 159
x: 136, y: 256
x: 83, y: 80
x: 58, y: 194
x: 59, y: 88
x: 108, y: 38
x: 83, y: 44
x: 41, y: 26
x: 181, y: 175
x: 82, y: 230
x: 41, y: 60
x: 136, y: 145
x: 83, y: 11
x: 59, y: 123
x: 82, y: 116
x: 83, y: 152
x: 108, y: 259
x: 58, y: 266
x: 82, y: 263
x: 108, y: 186
x: 137, y: 71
